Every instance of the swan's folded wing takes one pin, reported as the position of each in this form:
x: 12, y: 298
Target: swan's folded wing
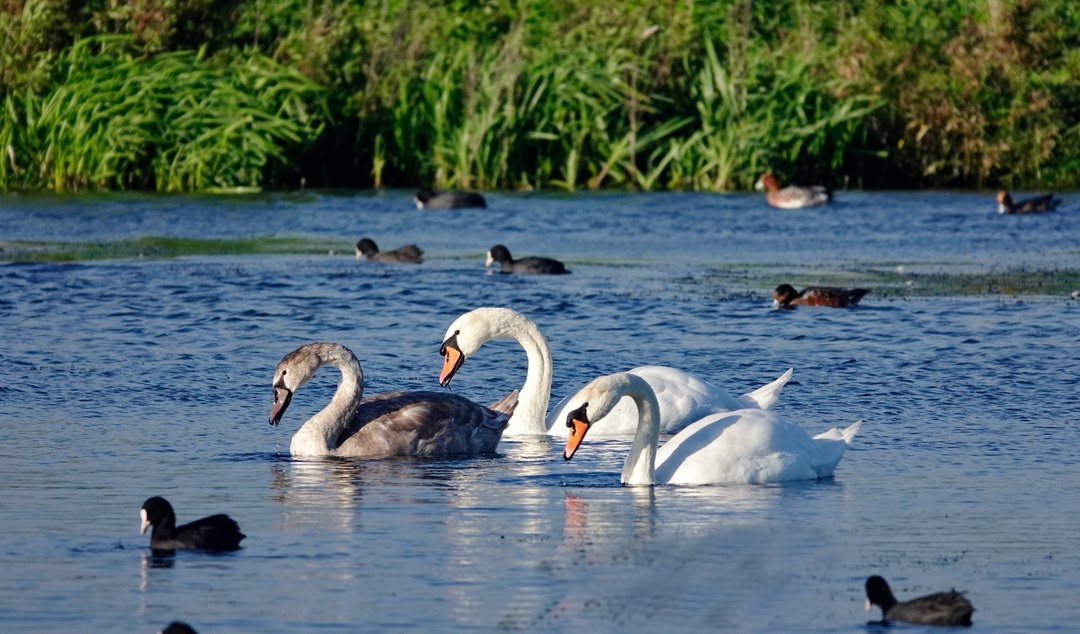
x: 421, y: 424
x: 507, y: 404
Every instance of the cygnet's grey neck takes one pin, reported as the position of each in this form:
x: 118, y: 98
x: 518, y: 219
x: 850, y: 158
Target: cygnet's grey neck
x: 322, y: 432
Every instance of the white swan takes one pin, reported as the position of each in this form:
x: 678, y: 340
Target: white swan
x: 683, y: 397
x: 390, y: 424
x: 749, y: 446
x: 471, y: 330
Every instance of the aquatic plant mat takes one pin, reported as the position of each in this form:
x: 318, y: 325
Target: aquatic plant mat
x: 892, y: 280
x: 156, y: 247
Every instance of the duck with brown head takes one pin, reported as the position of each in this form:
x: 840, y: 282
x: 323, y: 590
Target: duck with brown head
x: 791, y: 197
x: 785, y: 296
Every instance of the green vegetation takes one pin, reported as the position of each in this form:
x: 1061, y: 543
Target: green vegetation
x: 199, y: 94
x: 174, y: 121
x: 156, y: 247
x: 929, y: 280
x: 728, y: 281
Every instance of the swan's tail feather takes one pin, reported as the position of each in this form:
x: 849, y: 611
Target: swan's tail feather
x: 766, y: 396
x: 506, y: 404
x: 832, y: 445
x: 847, y: 435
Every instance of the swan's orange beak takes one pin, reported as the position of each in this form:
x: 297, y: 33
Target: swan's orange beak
x: 578, y: 422
x: 452, y: 360
x: 282, y: 397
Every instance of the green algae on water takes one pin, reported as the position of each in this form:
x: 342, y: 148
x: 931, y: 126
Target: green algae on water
x: 907, y: 281
x: 161, y: 247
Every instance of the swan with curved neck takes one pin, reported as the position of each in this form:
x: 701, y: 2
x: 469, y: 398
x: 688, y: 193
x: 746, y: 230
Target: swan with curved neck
x: 749, y: 446
x: 473, y: 329
x: 684, y: 398
x: 390, y: 424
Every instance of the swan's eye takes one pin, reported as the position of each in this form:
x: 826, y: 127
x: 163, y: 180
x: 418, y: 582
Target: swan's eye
x: 570, y: 419
x: 457, y: 332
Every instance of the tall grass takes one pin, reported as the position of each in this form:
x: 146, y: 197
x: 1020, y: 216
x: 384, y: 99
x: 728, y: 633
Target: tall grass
x: 459, y: 120
x: 773, y: 118
x: 560, y: 94
x: 176, y: 121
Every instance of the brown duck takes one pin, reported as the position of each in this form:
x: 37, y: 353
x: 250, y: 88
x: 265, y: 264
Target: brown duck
x: 785, y: 296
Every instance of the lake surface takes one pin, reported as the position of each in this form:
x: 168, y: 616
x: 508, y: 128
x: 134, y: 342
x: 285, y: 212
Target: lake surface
x: 140, y: 376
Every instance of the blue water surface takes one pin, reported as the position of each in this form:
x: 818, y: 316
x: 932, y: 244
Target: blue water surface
x: 131, y: 378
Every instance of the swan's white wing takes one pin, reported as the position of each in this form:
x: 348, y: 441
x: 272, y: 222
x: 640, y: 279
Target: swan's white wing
x: 765, y: 397
x: 556, y: 420
x: 683, y: 398
x: 748, y: 446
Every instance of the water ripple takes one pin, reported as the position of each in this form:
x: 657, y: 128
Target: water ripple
x: 133, y: 378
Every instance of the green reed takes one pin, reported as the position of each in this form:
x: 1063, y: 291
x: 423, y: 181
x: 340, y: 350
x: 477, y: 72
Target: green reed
x: 565, y: 94
x: 628, y: 99
x: 176, y: 121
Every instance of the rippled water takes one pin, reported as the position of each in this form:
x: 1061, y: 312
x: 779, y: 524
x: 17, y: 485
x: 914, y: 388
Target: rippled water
x: 136, y: 377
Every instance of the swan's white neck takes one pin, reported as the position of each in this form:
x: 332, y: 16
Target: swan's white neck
x: 533, y: 400
x: 320, y: 435
x: 640, y: 465
x: 535, y: 394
